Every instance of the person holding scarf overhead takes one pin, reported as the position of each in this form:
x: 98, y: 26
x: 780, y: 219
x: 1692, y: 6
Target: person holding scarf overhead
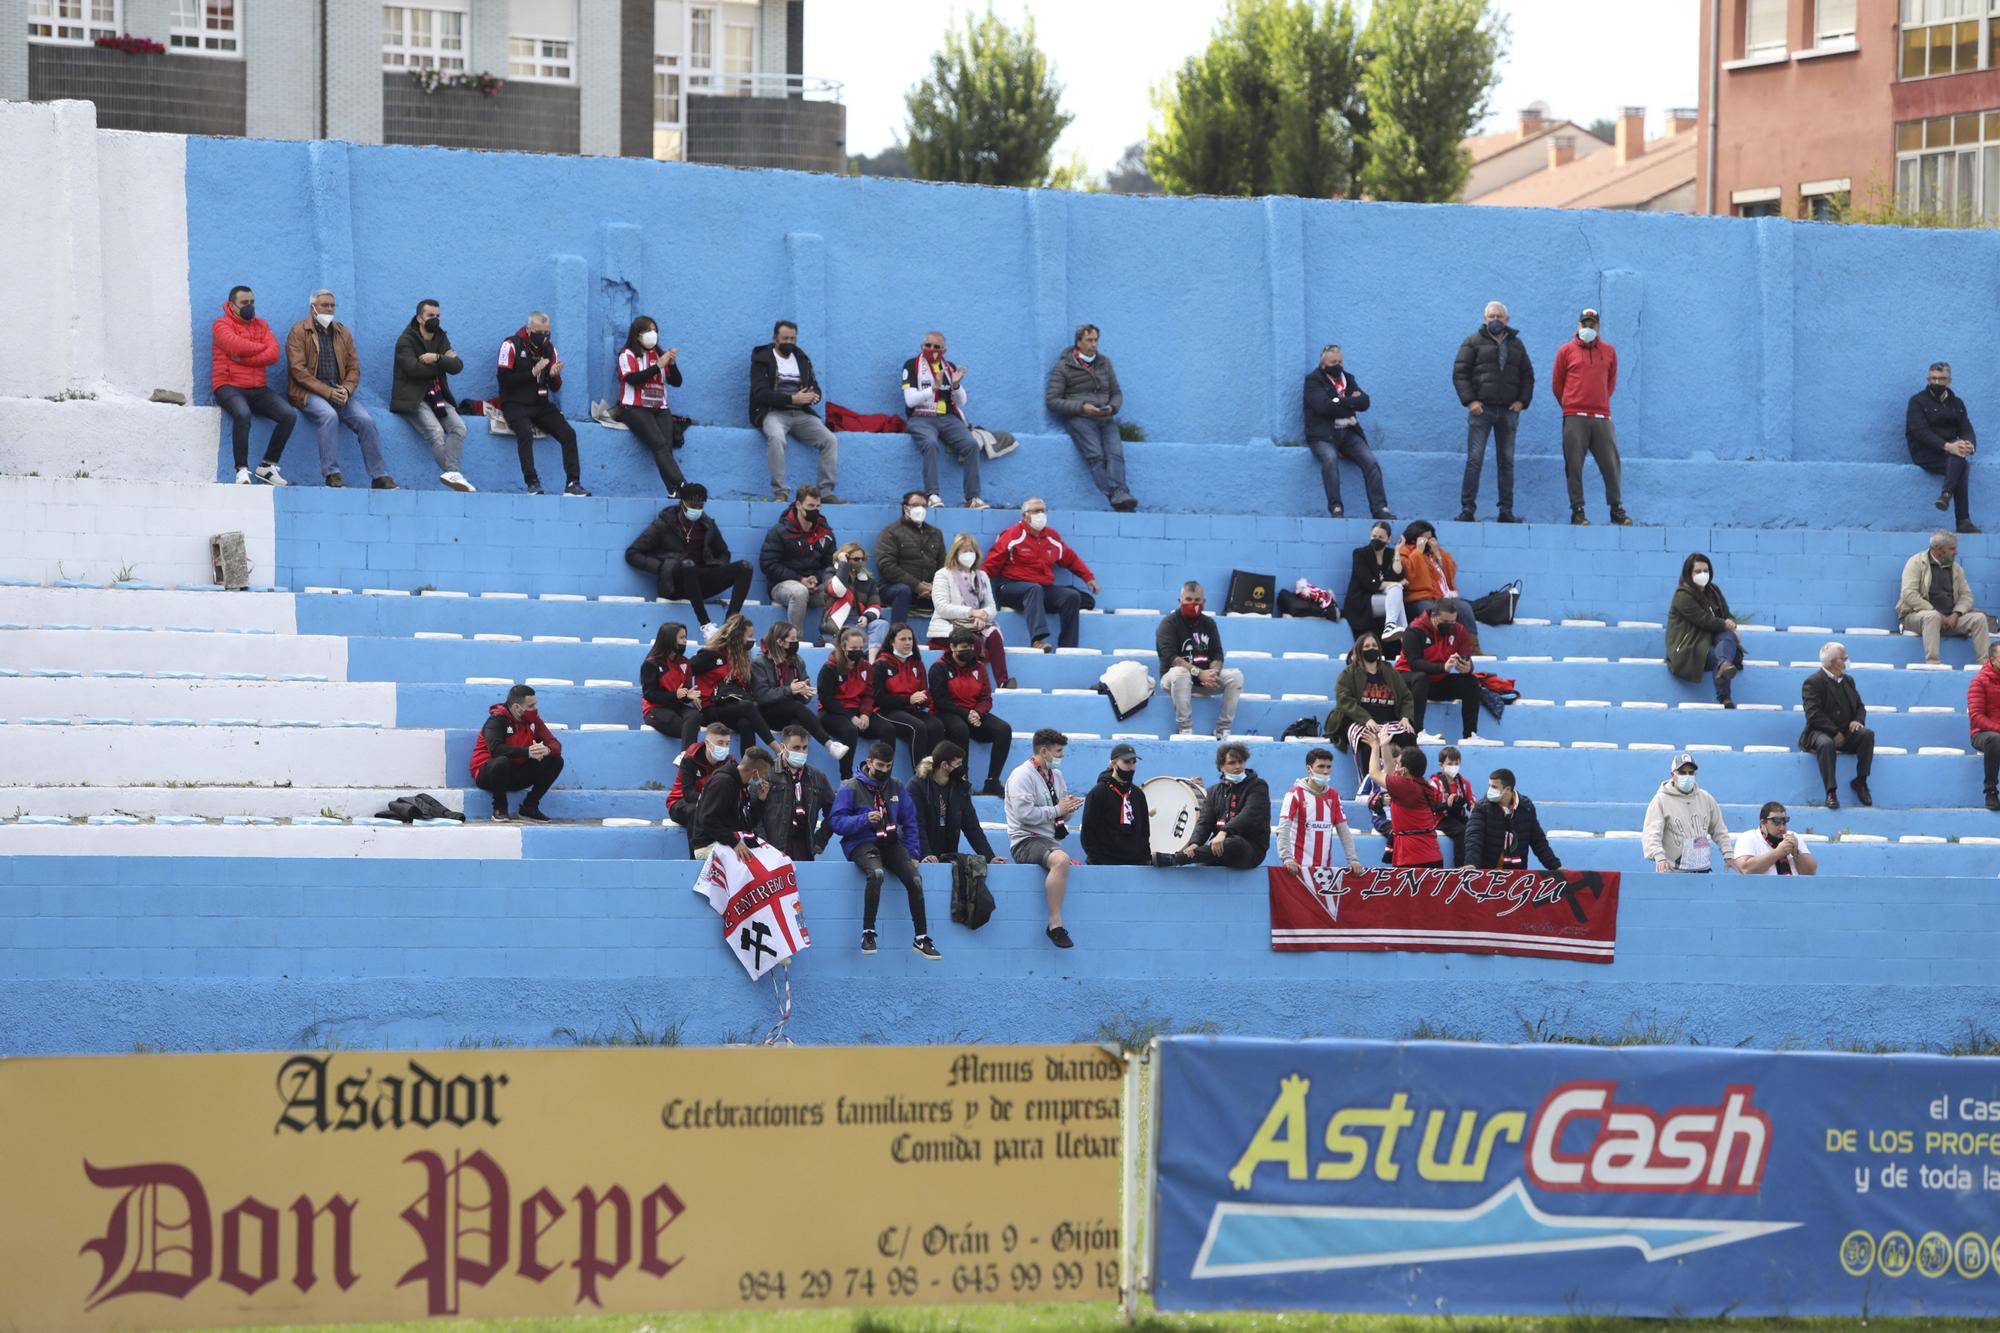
x: 934, y: 396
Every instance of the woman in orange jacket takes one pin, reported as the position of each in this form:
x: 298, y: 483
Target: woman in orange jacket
x: 1429, y: 573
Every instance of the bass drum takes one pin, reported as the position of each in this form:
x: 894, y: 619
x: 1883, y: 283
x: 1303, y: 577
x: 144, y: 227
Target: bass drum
x: 1172, y: 807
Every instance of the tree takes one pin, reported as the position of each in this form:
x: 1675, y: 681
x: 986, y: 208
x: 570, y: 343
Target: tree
x: 1273, y: 106
x: 990, y: 112
x: 1604, y: 127
x: 1129, y: 175
x: 891, y: 161
x: 1431, y: 68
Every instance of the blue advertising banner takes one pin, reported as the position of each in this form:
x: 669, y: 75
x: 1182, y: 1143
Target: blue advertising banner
x: 1440, y: 1178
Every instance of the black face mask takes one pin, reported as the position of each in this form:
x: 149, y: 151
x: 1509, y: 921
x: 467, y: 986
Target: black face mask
x: 431, y: 325
x: 1771, y: 841
x: 1371, y: 655
x: 1378, y: 543
x: 247, y: 312
x: 1938, y: 391
x: 538, y: 340
x: 966, y: 654
x: 855, y: 654
x: 680, y: 648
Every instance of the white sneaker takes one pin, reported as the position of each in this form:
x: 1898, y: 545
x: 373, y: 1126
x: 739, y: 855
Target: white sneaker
x: 937, y: 502
x: 837, y: 750
x: 708, y: 631
x: 455, y: 481
x: 243, y: 476
x: 1429, y: 738
x: 1477, y: 739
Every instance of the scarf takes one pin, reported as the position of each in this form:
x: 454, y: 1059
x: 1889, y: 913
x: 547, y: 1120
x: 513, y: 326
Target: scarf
x: 936, y: 378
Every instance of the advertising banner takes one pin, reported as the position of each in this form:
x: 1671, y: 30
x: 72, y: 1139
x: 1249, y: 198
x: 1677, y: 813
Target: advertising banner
x: 1569, y: 914
x: 1439, y: 1178
x: 160, y: 1192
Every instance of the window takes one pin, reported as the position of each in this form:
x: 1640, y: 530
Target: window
x: 739, y: 59
x: 72, y: 22
x: 423, y: 37
x: 667, y: 128
x: 1763, y: 28
x: 205, y: 26
x: 1834, y: 25
x: 541, y: 40
x: 1948, y: 168
x: 1947, y: 36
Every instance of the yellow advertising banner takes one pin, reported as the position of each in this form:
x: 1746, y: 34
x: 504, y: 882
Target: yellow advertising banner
x: 161, y: 1191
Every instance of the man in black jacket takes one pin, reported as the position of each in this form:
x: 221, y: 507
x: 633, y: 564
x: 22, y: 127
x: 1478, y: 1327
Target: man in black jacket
x: 1502, y: 829
x: 1333, y: 432
x: 530, y: 374
x: 731, y: 808
x: 795, y: 810
x: 1190, y: 648
x: 1496, y: 384
x: 783, y: 393
x: 1836, y: 724
x: 684, y: 552
x: 1938, y: 431
x: 1234, y: 829
x: 797, y: 551
x: 1117, y: 829
x: 421, y: 394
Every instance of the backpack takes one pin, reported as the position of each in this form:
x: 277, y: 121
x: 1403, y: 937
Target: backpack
x: 1128, y: 685
x: 421, y: 806
x: 1497, y: 607
x: 1305, y: 727
x: 971, y: 901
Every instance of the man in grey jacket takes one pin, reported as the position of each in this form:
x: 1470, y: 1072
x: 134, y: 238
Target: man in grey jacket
x: 1083, y: 390
x: 1038, y: 805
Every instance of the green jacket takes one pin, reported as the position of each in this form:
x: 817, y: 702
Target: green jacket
x: 1692, y: 626
x: 1347, y: 709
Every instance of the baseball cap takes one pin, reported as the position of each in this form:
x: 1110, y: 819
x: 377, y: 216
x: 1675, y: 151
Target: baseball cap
x: 1123, y: 751
x: 1588, y: 313
x: 1682, y: 760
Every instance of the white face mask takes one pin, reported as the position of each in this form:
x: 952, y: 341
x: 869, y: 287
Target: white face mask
x: 966, y: 560
x: 718, y: 752
x: 1684, y: 781
x: 1701, y: 578
x: 1586, y: 336
x: 1495, y: 793
x: 322, y: 318
x: 1037, y: 521
x: 649, y: 339
x: 1086, y: 357
x: 1317, y: 780
x: 917, y: 513
x: 1449, y: 770
x: 796, y: 758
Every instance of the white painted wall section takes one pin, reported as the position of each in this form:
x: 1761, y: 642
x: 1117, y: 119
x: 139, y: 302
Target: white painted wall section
x: 237, y: 756
x: 200, y: 700
x: 208, y: 802
x: 124, y: 439
x: 147, y: 340
x: 469, y: 842
x: 99, y: 529
x: 273, y: 611
x: 153, y: 651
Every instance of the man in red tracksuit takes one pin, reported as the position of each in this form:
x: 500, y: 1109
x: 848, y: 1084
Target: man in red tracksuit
x: 1585, y: 377
x: 1982, y: 708
x: 244, y: 348
x: 1022, y: 564
x: 1437, y: 657
x: 516, y: 752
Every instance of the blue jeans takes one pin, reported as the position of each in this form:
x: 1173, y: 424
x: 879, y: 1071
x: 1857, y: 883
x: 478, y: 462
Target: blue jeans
x: 1726, y: 648
x: 327, y: 418
x: 928, y: 431
x: 1035, y: 602
x: 1103, y: 451
x: 1500, y: 423
x: 265, y: 402
x: 1350, y: 443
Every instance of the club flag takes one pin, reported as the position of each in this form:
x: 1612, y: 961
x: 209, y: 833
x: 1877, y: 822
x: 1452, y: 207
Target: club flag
x: 758, y: 900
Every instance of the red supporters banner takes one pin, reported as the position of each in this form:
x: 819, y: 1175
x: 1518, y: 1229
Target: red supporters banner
x: 1567, y: 914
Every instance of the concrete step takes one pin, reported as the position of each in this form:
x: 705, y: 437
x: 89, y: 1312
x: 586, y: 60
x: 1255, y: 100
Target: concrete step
x: 261, y: 756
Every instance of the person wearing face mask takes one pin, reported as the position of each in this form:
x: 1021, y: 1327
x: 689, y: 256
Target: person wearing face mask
x: 961, y: 694
x: 784, y: 696
x: 847, y: 696
x: 644, y: 376
x: 323, y: 373
x: 945, y: 813
x: 877, y: 825
x: 1937, y: 428
x: 1374, y: 601
x: 684, y: 551
x: 1502, y: 829
x: 903, y: 694
x: 723, y: 673
x: 797, y: 551
x: 1452, y: 795
x: 1117, y: 826
x: 801, y: 798
x: 1234, y: 827
x: 530, y: 376
x: 1684, y: 831
x: 1372, y: 702
x: 1038, y: 807
x: 1334, y: 398
x: 242, y: 347
x: 934, y: 397
x: 1083, y: 391
x: 1701, y: 634
x: 731, y: 811
x: 670, y: 703
x: 963, y: 594
x: 854, y: 596
x: 783, y: 393
x: 1772, y: 848
x: 1022, y: 563
x: 421, y: 391
x: 1437, y: 659
x: 907, y: 553
x: 1189, y: 645
x: 1310, y: 819
x: 1495, y: 383
x: 1430, y: 573
x: 516, y: 751
x: 1585, y: 377
x: 693, y: 768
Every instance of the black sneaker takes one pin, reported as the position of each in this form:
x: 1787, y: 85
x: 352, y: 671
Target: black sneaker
x: 1579, y: 519
x: 500, y: 815
x: 535, y: 488
x: 1993, y: 800
x: 1336, y: 512
x: 868, y: 941
x: 384, y: 484
x: 1060, y: 938
x: 1621, y: 518
x: 575, y: 488
x: 533, y: 813
x: 1509, y: 516
x: 335, y: 480
x: 926, y: 947
x: 1467, y: 516
x: 993, y: 787
x: 1385, y: 513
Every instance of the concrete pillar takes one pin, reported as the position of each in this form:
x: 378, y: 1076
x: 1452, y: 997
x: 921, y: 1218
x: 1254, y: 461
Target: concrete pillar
x: 13, y: 50
x: 1285, y: 276
x: 771, y: 15
x: 599, y: 25
x: 354, y: 72
x: 1048, y: 263
x: 280, y: 69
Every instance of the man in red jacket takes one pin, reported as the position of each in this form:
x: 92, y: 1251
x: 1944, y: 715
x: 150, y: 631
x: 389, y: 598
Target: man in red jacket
x: 1982, y: 706
x: 1022, y: 564
x: 1586, y: 375
x: 243, y: 345
x: 516, y: 752
x: 1437, y: 657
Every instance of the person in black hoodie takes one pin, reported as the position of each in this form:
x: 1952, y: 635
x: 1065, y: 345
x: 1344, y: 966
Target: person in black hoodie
x: 1234, y: 829
x: 644, y: 376
x: 797, y: 552
x: 1333, y: 432
x: 1374, y: 601
x: 1503, y: 829
x: 420, y: 393
x: 530, y: 374
x: 684, y: 552
x: 945, y: 813
x: 1117, y: 830
x: 731, y: 808
x: 1190, y: 650
x: 783, y: 393
x: 1496, y: 383
x: 784, y: 695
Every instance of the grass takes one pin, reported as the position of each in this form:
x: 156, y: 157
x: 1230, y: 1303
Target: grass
x: 1135, y: 1032
x: 631, y: 1033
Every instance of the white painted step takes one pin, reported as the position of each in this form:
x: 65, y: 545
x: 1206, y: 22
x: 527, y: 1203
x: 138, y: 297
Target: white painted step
x: 211, y: 802
x: 201, y: 700
x: 237, y: 756
x: 154, y: 608
x: 164, y: 650
x: 474, y: 841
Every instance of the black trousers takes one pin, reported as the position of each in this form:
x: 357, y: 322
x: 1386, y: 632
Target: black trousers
x: 654, y: 428
x: 914, y: 729
x: 1460, y: 686
x: 1860, y: 744
x: 794, y: 712
x: 501, y: 775
x: 996, y: 733
x: 889, y: 853
x: 1988, y: 745
x: 1237, y: 854
x: 523, y: 418
x: 685, y: 581
x: 841, y: 727
x: 739, y: 715
x: 264, y: 402
x: 681, y: 724
x: 1292, y: 604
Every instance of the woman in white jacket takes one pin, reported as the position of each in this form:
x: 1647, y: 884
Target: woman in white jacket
x: 963, y: 598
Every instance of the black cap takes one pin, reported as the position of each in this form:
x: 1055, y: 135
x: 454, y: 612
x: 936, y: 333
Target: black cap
x: 1123, y: 751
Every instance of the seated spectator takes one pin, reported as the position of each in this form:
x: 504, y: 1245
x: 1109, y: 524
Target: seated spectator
x: 782, y: 693
x: 644, y: 375
x: 1413, y: 816
x: 323, y: 372
x: 1372, y: 702
x: 798, y: 550
x: 1117, y: 828
x: 877, y: 824
x: 783, y: 393
x: 1836, y: 724
x: 1189, y: 645
x: 1234, y: 827
x: 1022, y: 563
x: 800, y: 800
x: 1938, y: 430
x: 730, y: 811
x: 1684, y: 831
x: 530, y: 375
x: 1701, y: 635
x: 420, y: 391
x: 684, y: 552
x: 1501, y: 830
x: 725, y: 677
x: 1437, y: 659
x: 963, y: 595
x: 1333, y: 432
x: 854, y: 595
x: 847, y: 697
x: 243, y: 346
x: 671, y: 702
x: 1083, y: 391
x: 1772, y: 848
x: 1038, y: 809
x: 1585, y: 377
x: 1936, y: 600
x: 1452, y: 795
x: 1982, y: 709
x: 693, y: 768
x: 961, y: 694
x: 907, y: 553
x: 1374, y: 602
x: 516, y: 752
x: 903, y: 694
x: 1495, y: 384
x: 1310, y: 819
x: 945, y: 813
x: 934, y: 397
x: 1429, y: 573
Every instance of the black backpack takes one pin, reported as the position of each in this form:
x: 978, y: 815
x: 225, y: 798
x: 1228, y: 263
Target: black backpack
x: 1497, y: 607
x: 421, y: 806
x: 971, y: 901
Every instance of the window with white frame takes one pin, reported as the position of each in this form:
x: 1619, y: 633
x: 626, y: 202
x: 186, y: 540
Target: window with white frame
x: 669, y: 44
x: 205, y: 26
x: 424, y: 37
x: 541, y: 40
x: 1763, y: 28
x: 1947, y: 36
x: 1948, y: 168
x: 72, y: 22
x: 1833, y: 22
x: 739, y: 54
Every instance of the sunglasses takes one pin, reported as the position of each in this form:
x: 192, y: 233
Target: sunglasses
x: 1779, y: 819
x: 933, y: 347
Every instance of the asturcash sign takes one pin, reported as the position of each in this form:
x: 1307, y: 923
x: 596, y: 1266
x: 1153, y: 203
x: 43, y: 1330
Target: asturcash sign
x: 1440, y: 1178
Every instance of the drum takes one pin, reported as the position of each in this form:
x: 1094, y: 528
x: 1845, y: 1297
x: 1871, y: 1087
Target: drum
x: 1172, y: 807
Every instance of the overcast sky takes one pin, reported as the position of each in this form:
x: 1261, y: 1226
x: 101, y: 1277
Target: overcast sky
x: 1584, y: 59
